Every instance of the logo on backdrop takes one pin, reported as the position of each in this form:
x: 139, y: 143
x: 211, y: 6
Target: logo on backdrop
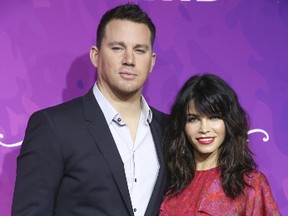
x: 11, y: 145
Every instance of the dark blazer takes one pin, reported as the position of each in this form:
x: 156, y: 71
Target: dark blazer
x: 69, y: 164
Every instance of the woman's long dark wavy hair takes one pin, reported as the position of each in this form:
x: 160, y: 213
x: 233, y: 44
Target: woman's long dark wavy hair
x: 211, y: 95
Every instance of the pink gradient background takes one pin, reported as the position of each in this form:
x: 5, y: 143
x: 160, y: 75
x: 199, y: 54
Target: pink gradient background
x: 44, y: 61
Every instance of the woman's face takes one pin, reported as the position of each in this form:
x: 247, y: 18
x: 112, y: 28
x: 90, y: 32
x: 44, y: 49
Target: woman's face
x: 206, y: 134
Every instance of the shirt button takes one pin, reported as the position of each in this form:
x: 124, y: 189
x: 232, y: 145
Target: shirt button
x: 134, y: 209
x: 119, y: 119
x: 135, y: 179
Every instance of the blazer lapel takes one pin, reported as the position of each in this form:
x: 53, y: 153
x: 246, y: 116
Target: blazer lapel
x: 106, y: 144
x: 160, y: 185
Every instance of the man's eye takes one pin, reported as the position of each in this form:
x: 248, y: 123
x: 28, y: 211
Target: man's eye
x: 117, y: 48
x: 140, y: 51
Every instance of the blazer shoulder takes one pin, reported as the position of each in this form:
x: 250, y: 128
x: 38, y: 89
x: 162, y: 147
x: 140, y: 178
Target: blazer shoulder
x: 159, y: 116
x: 73, y: 106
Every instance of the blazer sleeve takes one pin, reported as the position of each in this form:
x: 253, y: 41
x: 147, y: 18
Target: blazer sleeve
x: 261, y: 201
x: 39, y: 168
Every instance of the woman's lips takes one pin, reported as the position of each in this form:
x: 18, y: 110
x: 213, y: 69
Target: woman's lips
x: 205, y: 140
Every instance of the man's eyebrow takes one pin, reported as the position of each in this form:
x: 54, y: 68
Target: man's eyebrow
x: 142, y: 46
x: 113, y: 43
x: 120, y: 43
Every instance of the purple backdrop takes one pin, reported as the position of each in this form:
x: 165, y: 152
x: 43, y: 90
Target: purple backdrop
x: 44, y: 47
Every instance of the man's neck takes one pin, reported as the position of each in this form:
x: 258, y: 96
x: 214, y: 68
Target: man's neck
x: 123, y: 103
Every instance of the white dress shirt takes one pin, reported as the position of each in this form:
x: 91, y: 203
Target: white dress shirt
x: 139, y: 158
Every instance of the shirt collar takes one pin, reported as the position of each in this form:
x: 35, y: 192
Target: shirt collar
x: 112, y: 115
x: 146, y: 110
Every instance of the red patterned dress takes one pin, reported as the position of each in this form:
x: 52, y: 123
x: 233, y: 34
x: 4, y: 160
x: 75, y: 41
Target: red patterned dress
x: 205, y: 196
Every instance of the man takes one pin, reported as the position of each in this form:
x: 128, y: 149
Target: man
x: 99, y: 154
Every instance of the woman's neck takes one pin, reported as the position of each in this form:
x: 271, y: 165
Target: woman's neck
x: 206, y: 161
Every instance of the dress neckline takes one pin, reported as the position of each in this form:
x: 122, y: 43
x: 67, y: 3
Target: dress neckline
x: 208, y: 170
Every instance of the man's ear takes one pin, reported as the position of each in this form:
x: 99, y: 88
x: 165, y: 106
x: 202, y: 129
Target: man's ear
x: 153, y: 61
x: 94, y: 55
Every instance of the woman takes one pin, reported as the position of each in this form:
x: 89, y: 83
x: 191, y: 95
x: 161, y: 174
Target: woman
x: 211, y: 168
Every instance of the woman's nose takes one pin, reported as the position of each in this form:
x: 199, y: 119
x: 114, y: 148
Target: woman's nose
x: 204, y: 126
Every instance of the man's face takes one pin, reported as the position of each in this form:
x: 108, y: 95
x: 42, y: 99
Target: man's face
x: 124, y: 59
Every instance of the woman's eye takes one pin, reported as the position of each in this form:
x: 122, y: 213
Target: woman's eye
x: 215, y: 117
x: 192, y: 119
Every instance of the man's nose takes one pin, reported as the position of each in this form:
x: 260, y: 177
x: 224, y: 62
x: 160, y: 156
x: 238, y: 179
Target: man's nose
x: 128, y: 58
